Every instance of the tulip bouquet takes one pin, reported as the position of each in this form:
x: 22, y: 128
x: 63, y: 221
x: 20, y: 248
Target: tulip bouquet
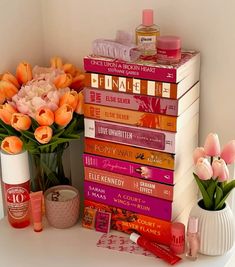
x: 41, y: 111
x: 212, y: 173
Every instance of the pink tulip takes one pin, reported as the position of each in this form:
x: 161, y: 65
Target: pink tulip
x: 220, y: 170
x: 212, y: 145
x: 228, y: 152
x: 199, y: 152
x: 203, y: 169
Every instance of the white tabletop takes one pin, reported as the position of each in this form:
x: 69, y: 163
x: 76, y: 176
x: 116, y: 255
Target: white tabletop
x: 76, y: 246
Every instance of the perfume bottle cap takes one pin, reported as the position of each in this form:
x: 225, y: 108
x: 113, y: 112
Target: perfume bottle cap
x: 147, y: 17
x: 193, y: 225
x: 134, y: 237
x: 15, y: 168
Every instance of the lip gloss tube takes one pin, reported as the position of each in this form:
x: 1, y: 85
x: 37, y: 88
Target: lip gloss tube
x: 155, y: 249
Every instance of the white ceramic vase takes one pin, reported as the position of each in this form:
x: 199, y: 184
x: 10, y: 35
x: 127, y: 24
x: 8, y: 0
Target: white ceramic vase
x: 216, y: 230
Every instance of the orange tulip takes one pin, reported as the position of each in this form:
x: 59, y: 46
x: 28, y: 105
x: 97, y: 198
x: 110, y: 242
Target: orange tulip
x: 6, y: 112
x: 7, y: 76
x: 20, y: 122
x: 44, y: 116
x: 12, y: 145
x: 56, y: 62
x: 63, y: 115
x: 78, y: 81
x: 70, y: 98
x: 43, y: 134
x: 24, y: 72
x: 8, y: 88
x: 2, y: 96
x: 63, y: 80
x: 69, y: 68
x: 80, y: 105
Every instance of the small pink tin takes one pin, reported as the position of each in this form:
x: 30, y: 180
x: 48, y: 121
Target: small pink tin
x: 168, y: 49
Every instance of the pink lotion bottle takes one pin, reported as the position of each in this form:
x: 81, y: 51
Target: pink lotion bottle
x: 193, y: 242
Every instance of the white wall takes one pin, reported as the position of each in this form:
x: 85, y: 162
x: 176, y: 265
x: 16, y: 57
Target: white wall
x: 70, y: 26
x: 20, y: 37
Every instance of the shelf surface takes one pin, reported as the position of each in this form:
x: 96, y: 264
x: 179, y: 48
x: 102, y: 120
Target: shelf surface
x: 76, y: 246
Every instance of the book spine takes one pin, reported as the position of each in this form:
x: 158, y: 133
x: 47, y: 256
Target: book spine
x: 120, y: 68
x: 130, y: 117
x: 125, y: 221
x: 131, y: 85
x: 129, y: 168
x: 130, y: 135
x: 133, y: 184
x: 146, y: 205
x: 129, y: 153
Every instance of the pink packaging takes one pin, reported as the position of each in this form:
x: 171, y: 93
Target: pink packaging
x: 129, y: 168
x: 133, y: 184
x: 146, y: 205
x: 141, y: 103
x: 144, y: 69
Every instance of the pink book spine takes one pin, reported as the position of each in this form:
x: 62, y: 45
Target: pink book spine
x: 140, y: 103
x: 129, y: 183
x: 129, y: 168
x: 142, y: 204
x: 122, y: 68
x: 130, y: 135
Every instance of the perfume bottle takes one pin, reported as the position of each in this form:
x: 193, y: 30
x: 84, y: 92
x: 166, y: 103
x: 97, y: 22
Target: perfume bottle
x: 15, y: 176
x: 147, y: 33
x: 193, y: 242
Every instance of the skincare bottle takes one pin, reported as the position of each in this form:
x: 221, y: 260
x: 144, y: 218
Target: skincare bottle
x: 193, y: 242
x: 15, y: 176
x: 147, y: 33
x: 177, y: 245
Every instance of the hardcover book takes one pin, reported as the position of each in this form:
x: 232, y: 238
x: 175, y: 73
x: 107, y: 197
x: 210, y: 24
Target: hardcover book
x: 142, y: 103
x: 129, y: 85
x: 145, y: 69
x: 141, y: 137
x: 141, y: 119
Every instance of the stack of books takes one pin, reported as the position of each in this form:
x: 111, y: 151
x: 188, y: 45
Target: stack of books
x: 141, y: 127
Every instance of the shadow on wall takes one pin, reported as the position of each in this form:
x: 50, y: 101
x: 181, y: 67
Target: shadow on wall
x: 77, y: 170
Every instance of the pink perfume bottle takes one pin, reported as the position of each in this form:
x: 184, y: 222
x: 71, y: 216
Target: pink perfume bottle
x: 193, y: 242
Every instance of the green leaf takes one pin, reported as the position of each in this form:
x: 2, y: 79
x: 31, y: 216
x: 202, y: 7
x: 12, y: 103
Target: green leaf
x: 219, y: 196
x: 35, y: 124
x: 29, y: 136
x: 206, y: 199
x: 211, y: 189
x: 70, y: 128
x: 226, y: 191
x: 10, y: 130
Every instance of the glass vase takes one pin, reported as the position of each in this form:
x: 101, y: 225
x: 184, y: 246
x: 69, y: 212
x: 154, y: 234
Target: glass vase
x: 48, y: 170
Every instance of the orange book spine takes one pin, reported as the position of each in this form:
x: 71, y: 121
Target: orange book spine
x: 131, y: 117
x: 129, y: 222
x: 131, y: 85
x: 129, y: 153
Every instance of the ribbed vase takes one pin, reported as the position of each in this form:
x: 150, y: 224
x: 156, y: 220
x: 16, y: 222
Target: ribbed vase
x: 216, y: 230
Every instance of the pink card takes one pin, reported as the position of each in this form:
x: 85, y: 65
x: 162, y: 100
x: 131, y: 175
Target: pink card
x: 121, y: 243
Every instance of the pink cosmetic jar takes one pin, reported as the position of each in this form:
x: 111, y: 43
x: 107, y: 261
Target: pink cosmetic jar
x: 168, y: 49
